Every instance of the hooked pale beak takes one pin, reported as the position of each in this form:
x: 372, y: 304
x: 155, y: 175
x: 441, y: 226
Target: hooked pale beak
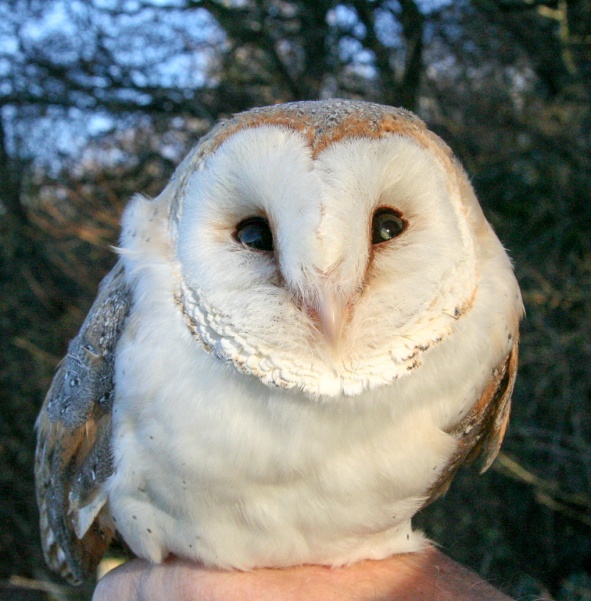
x: 331, y: 311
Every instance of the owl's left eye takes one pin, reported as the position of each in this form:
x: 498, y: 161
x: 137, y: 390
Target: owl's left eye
x: 255, y: 233
x: 387, y: 224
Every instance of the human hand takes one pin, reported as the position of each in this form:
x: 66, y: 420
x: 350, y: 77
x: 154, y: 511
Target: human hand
x: 425, y: 576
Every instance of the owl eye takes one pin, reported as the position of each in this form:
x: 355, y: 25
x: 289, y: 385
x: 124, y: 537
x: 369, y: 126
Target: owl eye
x: 255, y: 233
x: 386, y: 224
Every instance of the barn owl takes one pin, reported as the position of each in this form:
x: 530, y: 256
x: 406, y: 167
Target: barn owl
x: 306, y: 334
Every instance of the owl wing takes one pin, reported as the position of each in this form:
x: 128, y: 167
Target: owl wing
x: 73, y: 458
x: 483, y: 428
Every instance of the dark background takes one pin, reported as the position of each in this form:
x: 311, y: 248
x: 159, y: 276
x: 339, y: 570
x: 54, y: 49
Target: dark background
x: 102, y: 98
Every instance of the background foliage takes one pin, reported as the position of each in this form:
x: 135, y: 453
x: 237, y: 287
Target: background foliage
x: 102, y: 98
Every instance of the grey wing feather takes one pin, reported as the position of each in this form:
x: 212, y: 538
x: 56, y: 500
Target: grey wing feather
x: 73, y: 458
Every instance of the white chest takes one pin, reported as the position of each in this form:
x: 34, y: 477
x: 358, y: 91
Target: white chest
x: 214, y: 466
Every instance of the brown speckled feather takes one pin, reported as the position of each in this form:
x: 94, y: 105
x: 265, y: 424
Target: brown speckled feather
x: 73, y: 458
x: 483, y: 428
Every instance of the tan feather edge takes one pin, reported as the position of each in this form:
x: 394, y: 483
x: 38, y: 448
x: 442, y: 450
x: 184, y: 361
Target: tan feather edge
x: 72, y: 458
x: 484, y: 426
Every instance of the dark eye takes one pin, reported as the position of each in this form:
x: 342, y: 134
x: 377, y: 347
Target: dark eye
x: 255, y: 232
x: 386, y: 224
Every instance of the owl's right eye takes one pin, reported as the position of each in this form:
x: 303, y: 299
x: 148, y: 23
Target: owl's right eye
x: 255, y: 233
x: 387, y: 224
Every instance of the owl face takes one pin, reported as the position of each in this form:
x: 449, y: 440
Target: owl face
x: 332, y: 272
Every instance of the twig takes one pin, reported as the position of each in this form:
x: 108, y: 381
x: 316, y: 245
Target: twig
x: 38, y: 353
x: 40, y: 585
x: 547, y: 493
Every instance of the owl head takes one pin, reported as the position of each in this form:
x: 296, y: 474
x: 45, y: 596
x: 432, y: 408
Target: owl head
x: 327, y: 246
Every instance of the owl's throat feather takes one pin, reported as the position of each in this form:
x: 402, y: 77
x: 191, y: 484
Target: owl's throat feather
x: 321, y: 375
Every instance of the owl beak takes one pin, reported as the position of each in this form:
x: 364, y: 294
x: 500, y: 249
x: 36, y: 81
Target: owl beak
x: 331, y: 314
